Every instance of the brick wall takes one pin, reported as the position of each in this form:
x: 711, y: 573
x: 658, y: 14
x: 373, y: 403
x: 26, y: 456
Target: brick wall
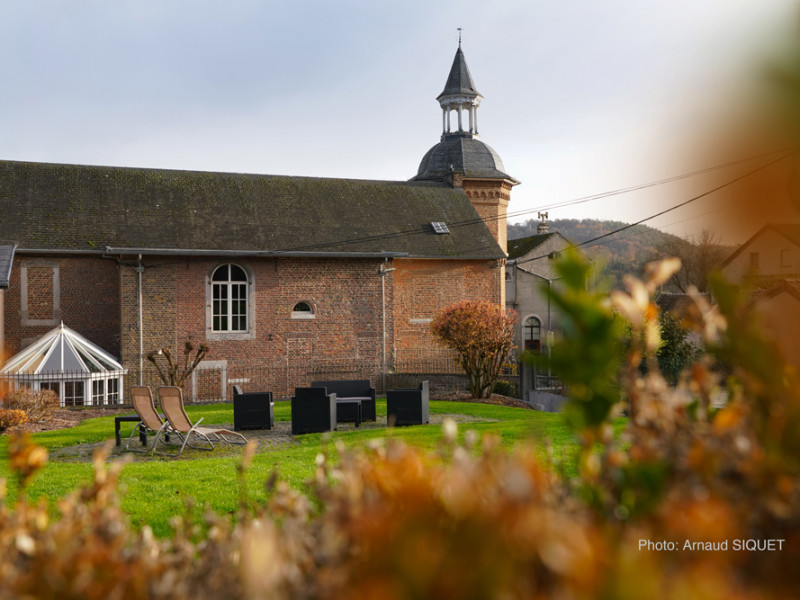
x: 99, y: 299
x: 422, y: 288
x: 86, y: 299
x: 345, y: 295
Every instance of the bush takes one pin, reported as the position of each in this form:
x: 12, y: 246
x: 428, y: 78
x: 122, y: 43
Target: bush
x: 505, y: 388
x: 12, y: 418
x: 481, y: 334
x: 38, y: 406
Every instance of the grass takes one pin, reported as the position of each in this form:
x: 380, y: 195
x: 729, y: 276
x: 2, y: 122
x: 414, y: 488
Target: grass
x: 155, y: 489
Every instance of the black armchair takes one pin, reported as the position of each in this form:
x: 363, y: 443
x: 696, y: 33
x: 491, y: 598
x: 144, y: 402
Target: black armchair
x: 408, y: 406
x: 252, y: 410
x: 313, y: 410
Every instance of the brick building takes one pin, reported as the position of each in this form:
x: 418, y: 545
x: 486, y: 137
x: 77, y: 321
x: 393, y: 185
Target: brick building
x: 286, y: 279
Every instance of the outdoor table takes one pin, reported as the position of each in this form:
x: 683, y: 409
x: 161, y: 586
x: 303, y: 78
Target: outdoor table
x: 129, y: 419
x: 132, y: 419
x: 348, y: 410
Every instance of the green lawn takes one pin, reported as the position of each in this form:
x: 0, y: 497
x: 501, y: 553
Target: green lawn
x: 156, y: 488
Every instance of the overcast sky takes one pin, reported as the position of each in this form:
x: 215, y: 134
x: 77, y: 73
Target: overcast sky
x: 580, y: 96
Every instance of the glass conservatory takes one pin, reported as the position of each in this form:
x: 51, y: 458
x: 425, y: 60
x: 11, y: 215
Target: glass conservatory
x: 81, y: 373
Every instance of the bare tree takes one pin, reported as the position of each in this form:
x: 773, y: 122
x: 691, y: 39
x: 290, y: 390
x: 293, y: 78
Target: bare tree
x: 175, y: 373
x: 699, y: 254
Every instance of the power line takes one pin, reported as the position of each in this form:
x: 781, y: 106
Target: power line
x: 665, y: 211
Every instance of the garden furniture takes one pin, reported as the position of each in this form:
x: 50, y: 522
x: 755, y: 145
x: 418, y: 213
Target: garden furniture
x: 352, y: 389
x: 171, y: 400
x: 313, y: 410
x: 408, y: 406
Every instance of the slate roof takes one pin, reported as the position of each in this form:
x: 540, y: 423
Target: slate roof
x: 88, y: 208
x: 459, y: 81
x: 463, y: 154
x: 6, y: 260
x: 519, y: 247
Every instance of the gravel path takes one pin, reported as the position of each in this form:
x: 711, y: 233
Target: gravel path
x: 278, y: 438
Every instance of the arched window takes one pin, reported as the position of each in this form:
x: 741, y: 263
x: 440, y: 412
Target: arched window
x: 532, y: 334
x: 229, y: 295
x: 303, y: 310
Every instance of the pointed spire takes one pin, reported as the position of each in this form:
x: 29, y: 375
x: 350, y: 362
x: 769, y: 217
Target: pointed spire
x: 459, y: 82
x: 459, y: 96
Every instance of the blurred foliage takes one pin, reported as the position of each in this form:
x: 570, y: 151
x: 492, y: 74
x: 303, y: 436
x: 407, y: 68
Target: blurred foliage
x: 12, y: 417
x: 667, y: 511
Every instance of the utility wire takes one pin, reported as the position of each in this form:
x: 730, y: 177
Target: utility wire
x: 665, y: 211
x: 642, y: 186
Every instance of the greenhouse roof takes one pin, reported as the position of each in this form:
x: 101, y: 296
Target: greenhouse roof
x: 61, y: 350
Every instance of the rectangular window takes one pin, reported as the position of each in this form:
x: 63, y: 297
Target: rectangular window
x: 754, y: 260
x: 98, y: 392
x: 113, y: 391
x: 786, y: 258
x: 220, y: 307
x: 239, y: 307
x: 73, y: 393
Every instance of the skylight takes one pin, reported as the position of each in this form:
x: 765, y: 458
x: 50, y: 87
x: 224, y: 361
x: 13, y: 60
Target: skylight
x: 439, y: 227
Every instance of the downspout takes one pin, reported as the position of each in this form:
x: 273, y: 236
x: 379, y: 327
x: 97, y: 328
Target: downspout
x: 382, y: 271
x: 139, y: 271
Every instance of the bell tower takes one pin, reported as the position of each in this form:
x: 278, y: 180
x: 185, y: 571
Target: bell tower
x: 461, y: 159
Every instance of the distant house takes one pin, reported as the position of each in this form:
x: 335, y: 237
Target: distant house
x: 528, y: 272
x: 769, y: 264
x: 772, y: 253
x: 286, y: 279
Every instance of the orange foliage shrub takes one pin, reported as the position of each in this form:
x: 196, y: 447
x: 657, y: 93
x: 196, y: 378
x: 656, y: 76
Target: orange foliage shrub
x: 11, y: 418
x: 482, y: 335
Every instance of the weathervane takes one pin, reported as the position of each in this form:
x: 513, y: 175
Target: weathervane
x: 459, y: 36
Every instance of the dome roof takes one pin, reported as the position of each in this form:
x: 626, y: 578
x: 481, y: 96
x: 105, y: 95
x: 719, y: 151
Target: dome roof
x: 461, y: 154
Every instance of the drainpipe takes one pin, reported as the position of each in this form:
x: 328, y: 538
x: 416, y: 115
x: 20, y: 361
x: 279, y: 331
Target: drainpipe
x: 382, y: 271
x: 139, y: 271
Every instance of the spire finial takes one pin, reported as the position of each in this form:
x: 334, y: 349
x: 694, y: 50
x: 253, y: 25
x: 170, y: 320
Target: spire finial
x: 459, y: 36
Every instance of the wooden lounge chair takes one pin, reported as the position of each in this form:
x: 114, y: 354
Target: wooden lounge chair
x: 149, y: 420
x: 171, y: 400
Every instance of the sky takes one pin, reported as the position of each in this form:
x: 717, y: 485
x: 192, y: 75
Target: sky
x: 581, y: 97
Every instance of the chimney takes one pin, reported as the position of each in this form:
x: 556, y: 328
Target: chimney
x: 543, y: 226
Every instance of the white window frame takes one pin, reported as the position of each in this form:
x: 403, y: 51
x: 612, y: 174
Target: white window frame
x: 249, y: 332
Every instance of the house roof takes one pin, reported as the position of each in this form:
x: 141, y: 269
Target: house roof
x: 58, y: 207
x: 519, y: 247
x: 791, y: 231
x: 6, y: 260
